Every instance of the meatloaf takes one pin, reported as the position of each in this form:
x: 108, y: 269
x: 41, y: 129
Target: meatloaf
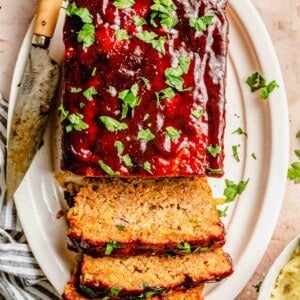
x: 144, y: 88
x: 138, y: 275
x: 134, y: 216
x: 73, y: 291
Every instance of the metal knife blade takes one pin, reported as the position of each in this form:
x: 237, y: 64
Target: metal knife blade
x: 34, y: 99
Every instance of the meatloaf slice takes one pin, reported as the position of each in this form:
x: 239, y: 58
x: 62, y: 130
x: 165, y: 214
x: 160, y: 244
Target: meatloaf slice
x: 72, y: 291
x: 165, y: 277
x: 130, y: 217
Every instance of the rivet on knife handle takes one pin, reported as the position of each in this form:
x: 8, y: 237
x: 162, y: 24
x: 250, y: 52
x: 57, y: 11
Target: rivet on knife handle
x: 45, y: 22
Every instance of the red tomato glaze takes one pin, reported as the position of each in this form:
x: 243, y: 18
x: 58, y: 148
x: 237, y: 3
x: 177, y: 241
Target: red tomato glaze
x: 112, y: 65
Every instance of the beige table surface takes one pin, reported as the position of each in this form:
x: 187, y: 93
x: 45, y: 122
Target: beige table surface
x: 282, y: 18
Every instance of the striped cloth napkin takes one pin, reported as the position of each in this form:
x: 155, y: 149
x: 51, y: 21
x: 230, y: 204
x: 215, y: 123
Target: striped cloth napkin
x: 20, y: 275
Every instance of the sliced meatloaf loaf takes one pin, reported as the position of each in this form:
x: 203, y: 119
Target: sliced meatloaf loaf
x: 142, y: 275
x: 130, y: 217
x: 73, y: 291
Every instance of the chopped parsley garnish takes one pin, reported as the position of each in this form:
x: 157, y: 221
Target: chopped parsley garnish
x: 111, y: 246
x: 235, y: 152
x: 254, y: 155
x: 123, y: 3
x: 240, y: 131
x: 107, y: 169
x: 257, y: 286
x: 149, y: 37
x: 89, y: 93
x: 173, y: 133
x: 294, y: 170
x: 94, y: 71
x: 184, y: 248
x: 86, y: 35
x: 146, y: 83
x: 167, y: 93
x: 139, y: 21
x: 119, y: 147
x: 184, y: 63
x: 150, y: 291
x: 214, y: 150
x: 166, y: 11
x: 174, y: 79
x: 201, y: 23
x: 127, y: 160
x: 115, y: 291
x: 214, y: 171
x: 129, y: 99
x: 63, y: 113
x: 147, y: 167
x: 197, y: 113
x: 146, y: 135
x: 159, y: 44
x: 122, y: 34
x: 256, y: 82
x: 120, y: 227
x: 81, y: 12
x: 174, y: 74
x: 87, y: 291
x: 75, y: 90
x: 223, y: 212
x: 76, y: 122
x: 232, y: 190
x: 112, y: 124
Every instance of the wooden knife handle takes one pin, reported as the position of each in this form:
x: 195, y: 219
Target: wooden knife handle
x: 46, y: 17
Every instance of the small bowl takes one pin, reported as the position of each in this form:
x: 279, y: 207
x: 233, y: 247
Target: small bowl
x: 268, y: 284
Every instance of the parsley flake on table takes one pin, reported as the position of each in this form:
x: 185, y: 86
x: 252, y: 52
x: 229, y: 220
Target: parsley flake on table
x: 294, y: 170
x: 112, y: 124
x: 201, y: 23
x: 235, y: 153
x: 214, y: 150
x: 123, y: 3
x: 240, y: 131
x: 86, y: 35
x: 232, y: 190
x: 256, y: 82
x: 89, y: 93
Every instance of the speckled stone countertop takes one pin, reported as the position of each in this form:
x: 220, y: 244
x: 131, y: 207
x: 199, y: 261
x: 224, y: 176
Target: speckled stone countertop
x: 282, y: 19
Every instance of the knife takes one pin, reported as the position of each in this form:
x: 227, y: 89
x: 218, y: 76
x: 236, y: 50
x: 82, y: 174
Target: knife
x: 35, y: 97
